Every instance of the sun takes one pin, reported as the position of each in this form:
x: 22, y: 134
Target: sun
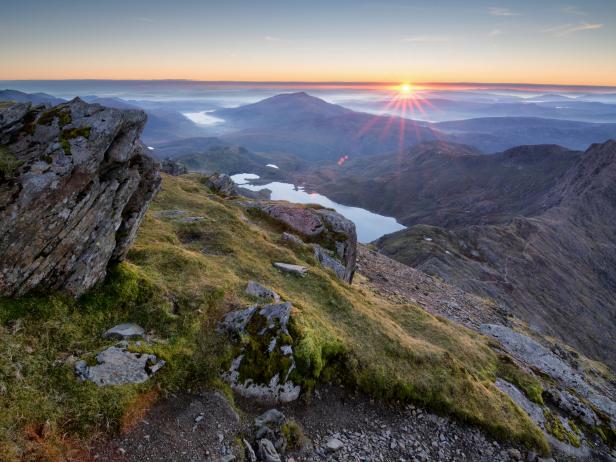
x: 405, y: 89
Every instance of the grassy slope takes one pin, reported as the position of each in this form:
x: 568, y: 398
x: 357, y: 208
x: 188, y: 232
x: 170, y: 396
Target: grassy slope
x: 178, y: 292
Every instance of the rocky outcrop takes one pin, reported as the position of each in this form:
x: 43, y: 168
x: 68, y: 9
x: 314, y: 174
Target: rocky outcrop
x: 75, y: 183
x: 574, y: 413
x: 263, y: 355
x: 322, y: 226
x: 221, y: 183
x: 118, y: 364
x: 171, y: 167
x: 538, y: 357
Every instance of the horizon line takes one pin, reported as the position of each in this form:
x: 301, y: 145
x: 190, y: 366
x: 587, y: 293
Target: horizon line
x: 332, y: 83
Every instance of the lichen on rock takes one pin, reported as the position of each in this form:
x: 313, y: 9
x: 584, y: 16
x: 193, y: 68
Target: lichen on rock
x: 263, y: 356
x: 77, y: 184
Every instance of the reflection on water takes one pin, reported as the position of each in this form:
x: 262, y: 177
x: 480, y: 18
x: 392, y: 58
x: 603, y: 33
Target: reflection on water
x: 203, y: 118
x: 370, y: 226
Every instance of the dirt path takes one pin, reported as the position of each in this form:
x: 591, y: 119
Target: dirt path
x: 193, y: 428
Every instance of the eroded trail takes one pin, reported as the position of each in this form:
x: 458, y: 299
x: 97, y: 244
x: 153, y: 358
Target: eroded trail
x: 206, y: 428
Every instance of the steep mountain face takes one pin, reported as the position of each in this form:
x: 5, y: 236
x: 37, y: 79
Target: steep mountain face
x: 553, y: 269
x: 445, y: 184
x: 75, y: 183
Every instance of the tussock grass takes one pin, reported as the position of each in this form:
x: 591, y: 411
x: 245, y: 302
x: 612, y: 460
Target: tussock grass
x: 177, y: 282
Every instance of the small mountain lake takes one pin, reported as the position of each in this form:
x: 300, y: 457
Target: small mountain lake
x: 203, y: 118
x: 370, y: 226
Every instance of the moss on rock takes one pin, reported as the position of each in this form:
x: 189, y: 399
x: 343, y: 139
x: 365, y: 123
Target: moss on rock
x: 8, y: 162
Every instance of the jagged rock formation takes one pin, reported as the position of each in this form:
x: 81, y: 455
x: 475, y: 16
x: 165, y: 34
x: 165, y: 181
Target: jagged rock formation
x: 75, y: 182
x: 573, y: 405
x: 221, y: 183
x: 553, y: 269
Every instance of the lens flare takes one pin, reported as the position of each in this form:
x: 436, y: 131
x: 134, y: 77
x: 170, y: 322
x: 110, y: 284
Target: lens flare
x: 404, y: 104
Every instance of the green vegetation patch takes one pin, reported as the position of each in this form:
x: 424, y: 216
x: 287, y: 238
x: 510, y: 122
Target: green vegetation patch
x: 530, y: 385
x: 61, y: 112
x: 70, y: 134
x: 556, y: 428
x: 293, y: 434
x: 8, y: 162
x: 42, y: 336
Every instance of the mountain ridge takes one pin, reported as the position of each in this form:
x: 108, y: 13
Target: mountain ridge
x: 550, y: 268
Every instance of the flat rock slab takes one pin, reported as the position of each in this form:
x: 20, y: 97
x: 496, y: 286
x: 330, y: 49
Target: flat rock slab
x: 292, y: 269
x: 118, y: 366
x: 125, y: 331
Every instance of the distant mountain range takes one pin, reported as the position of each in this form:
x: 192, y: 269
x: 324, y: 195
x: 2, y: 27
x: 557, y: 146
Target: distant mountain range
x: 36, y: 98
x: 553, y: 267
x: 313, y: 130
x: 163, y: 124
x: 446, y: 184
x: 441, y: 107
x: 493, y: 134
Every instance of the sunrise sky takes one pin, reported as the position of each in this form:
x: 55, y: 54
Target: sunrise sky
x: 538, y: 41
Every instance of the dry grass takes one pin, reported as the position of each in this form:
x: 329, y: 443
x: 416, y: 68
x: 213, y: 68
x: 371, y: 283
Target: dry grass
x: 178, y: 280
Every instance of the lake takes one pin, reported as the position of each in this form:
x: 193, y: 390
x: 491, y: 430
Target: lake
x: 203, y: 118
x: 370, y: 226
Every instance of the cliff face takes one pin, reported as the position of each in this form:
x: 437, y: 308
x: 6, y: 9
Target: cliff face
x: 75, y: 182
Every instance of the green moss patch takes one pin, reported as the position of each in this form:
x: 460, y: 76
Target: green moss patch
x: 8, y: 162
x: 531, y: 386
x: 61, y: 112
x: 556, y: 428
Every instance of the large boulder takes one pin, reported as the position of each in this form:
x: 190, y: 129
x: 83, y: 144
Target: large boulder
x: 75, y: 183
x: 323, y: 226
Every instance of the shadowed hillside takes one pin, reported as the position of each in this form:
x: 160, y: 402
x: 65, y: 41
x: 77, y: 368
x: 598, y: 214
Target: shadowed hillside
x: 552, y: 268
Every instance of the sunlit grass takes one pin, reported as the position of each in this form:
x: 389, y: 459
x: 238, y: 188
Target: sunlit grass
x: 178, y: 280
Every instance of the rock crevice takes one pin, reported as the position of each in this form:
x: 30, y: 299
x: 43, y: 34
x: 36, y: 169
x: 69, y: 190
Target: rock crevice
x: 78, y: 186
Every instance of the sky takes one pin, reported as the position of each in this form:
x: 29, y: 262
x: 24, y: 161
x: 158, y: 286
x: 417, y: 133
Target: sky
x: 538, y: 41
